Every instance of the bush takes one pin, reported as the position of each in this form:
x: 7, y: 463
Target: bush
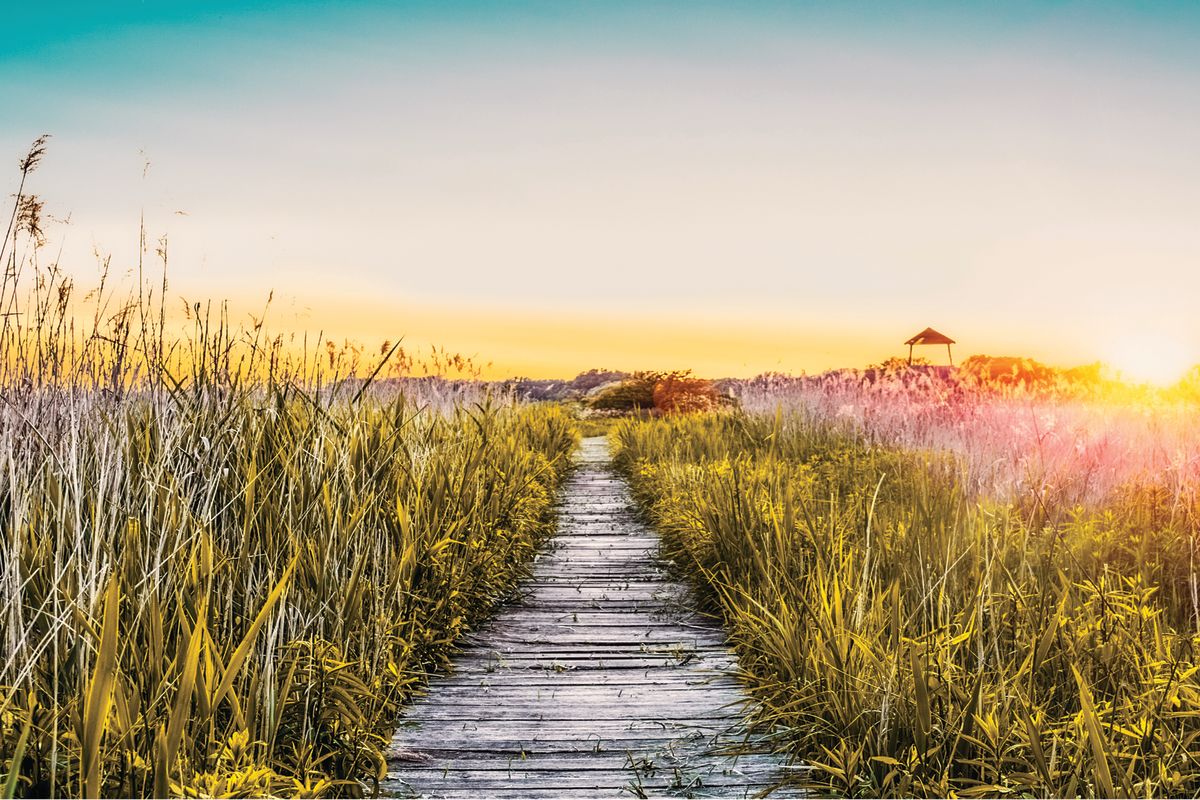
x: 635, y: 393
x: 675, y: 392
x: 1009, y: 371
x: 679, y: 394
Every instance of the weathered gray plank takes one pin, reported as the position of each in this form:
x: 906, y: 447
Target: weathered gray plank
x: 636, y: 740
x: 546, y: 667
x: 598, y: 680
x: 617, y: 680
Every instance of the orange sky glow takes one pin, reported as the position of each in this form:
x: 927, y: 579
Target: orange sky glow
x: 732, y: 188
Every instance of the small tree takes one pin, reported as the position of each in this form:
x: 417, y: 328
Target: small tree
x: 680, y: 393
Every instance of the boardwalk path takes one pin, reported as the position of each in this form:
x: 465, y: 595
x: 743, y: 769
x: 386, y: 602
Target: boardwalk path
x: 598, y: 682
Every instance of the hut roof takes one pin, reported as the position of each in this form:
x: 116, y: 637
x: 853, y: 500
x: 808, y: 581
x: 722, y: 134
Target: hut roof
x: 930, y: 336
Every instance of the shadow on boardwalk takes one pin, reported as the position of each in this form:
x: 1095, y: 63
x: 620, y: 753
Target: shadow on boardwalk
x: 599, y: 682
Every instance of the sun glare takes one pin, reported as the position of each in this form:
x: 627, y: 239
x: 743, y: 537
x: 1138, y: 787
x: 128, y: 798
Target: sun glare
x: 1158, y: 360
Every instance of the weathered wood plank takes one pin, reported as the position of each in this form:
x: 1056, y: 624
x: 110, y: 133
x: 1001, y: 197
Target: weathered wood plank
x: 710, y: 741
x: 556, y: 792
x: 593, y: 779
x: 643, y: 679
x: 574, y: 617
x: 587, y: 667
x: 601, y: 638
x: 647, y: 693
x: 563, y: 660
x: 591, y: 755
x: 549, y: 767
x: 598, y: 679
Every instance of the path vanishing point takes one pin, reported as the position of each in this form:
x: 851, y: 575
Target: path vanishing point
x: 599, y: 681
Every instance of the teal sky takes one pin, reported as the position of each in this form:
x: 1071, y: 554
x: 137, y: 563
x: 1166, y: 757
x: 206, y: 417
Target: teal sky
x: 1024, y: 175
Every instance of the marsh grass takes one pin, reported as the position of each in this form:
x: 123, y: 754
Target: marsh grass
x: 907, y: 635
x: 224, y: 561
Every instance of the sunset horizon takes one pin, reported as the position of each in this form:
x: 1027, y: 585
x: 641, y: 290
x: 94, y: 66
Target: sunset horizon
x: 772, y: 188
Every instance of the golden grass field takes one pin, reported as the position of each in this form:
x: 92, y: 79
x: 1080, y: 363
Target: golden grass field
x: 929, y: 602
x: 226, y: 561
x: 216, y: 592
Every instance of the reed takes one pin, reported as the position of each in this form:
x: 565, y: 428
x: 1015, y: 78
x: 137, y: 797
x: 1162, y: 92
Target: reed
x: 225, y: 561
x: 907, y: 634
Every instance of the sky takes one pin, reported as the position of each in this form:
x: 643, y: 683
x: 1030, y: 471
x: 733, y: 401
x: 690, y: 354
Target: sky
x: 550, y: 187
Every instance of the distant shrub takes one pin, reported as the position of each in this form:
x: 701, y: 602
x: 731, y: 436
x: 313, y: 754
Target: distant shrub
x: 1009, y: 371
x: 1089, y: 374
x: 635, y: 393
x: 675, y: 392
x: 1188, y: 387
x: 896, y: 364
x: 681, y: 394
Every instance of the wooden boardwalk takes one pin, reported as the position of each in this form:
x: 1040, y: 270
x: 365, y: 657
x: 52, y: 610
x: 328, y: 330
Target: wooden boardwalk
x: 600, y: 681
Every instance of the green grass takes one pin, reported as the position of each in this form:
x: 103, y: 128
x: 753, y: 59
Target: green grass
x: 226, y: 558
x: 907, y: 638
x: 595, y: 426
x: 219, y: 596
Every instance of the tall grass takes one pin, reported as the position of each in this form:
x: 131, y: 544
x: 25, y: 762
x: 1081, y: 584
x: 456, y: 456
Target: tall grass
x: 225, y: 562
x: 909, y: 636
x: 1066, y: 443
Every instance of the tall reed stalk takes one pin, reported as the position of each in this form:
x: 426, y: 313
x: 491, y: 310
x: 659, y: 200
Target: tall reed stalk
x: 908, y: 636
x: 225, y: 562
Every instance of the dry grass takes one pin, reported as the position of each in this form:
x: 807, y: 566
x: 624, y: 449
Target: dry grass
x: 910, y: 635
x: 223, y: 563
